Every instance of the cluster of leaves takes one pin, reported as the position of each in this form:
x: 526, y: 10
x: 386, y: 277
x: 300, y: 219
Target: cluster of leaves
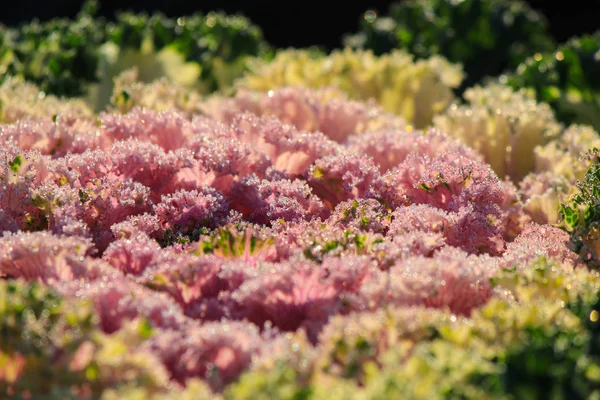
x: 53, y: 348
x: 581, y: 216
x: 70, y: 57
x: 33, y: 320
x: 218, y: 44
x: 567, y: 79
x: 510, y: 36
x: 413, y: 89
x: 236, y: 242
x: 540, y: 340
x: 504, y: 125
x: 553, y: 351
x: 295, y: 229
x: 503, y: 33
x: 296, y: 243
x: 292, y: 243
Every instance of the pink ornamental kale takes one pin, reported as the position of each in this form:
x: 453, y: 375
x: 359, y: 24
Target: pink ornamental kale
x: 327, y: 111
x: 261, y: 201
x: 163, y: 172
x: 389, y: 148
x: 288, y: 297
x: 468, y: 229
x: 117, y: 300
x: 226, y: 158
x: 291, y: 151
x: 167, y: 129
x: 218, y: 352
x: 423, y: 218
x: 187, y: 212
x: 20, y: 173
x: 44, y: 257
x: 57, y: 138
x: 313, y: 240
x: 230, y: 238
x: 446, y: 182
x: 451, y: 279
x: 58, y: 209
x: 132, y: 255
x: 342, y: 177
x: 93, y: 208
x: 398, y: 247
x: 453, y: 184
x: 193, y: 282
x: 146, y: 224
x: 349, y: 274
x: 540, y: 241
x: 142, y: 162
x: 110, y: 202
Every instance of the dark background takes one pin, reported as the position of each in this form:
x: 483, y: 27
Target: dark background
x: 296, y: 23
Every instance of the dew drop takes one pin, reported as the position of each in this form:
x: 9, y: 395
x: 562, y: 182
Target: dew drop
x: 370, y: 16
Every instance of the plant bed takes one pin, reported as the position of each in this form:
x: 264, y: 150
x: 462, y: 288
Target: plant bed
x: 318, y: 226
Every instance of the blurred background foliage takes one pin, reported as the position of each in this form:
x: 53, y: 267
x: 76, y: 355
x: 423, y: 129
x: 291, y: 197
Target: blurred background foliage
x: 206, y: 46
x: 296, y: 24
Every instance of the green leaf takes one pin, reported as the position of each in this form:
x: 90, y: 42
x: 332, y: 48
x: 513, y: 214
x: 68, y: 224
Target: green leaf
x: 15, y: 164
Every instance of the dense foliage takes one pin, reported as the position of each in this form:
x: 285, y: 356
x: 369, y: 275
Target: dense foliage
x: 566, y: 78
x: 206, y: 247
x: 486, y: 36
x: 79, y: 57
x: 61, y: 56
x: 332, y: 226
x: 416, y: 90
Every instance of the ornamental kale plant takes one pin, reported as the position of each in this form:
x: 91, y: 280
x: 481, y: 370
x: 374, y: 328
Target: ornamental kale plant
x: 502, y: 124
x: 289, y: 244
x: 413, y: 89
x: 523, y: 142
